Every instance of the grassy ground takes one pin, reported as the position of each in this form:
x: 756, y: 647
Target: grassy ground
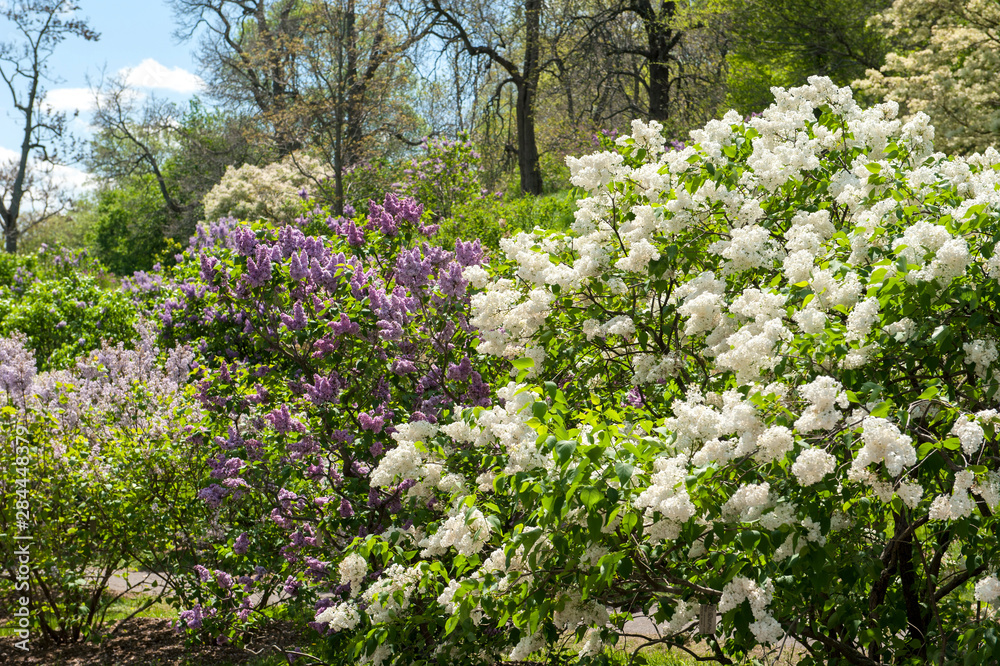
x: 658, y: 655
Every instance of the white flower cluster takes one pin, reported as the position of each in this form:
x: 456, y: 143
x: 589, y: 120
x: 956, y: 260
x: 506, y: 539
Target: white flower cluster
x: 988, y: 590
x: 748, y: 248
x: 748, y: 502
x: 353, y: 570
x: 652, y: 368
x: 391, y: 593
x: 667, y: 496
x: 703, y: 303
x: 957, y: 505
x: 774, y: 443
x: 764, y: 627
x: 794, y: 543
x: 982, y: 353
x: 506, y: 322
x: 447, y: 599
x: 910, y: 492
x: 594, y: 172
x: 342, y: 616
x: 883, y: 443
x: 466, y: 529
x: 812, y: 465
x: 646, y: 136
x: 695, y: 422
x: 271, y: 191
x: 862, y: 318
x: 901, y: 330
x: 684, y: 614
x: 922, y: 238
x: 969, y: 433
x: 404, y: 461
x: 824, y: 395
x: 620, y: 325
x: 577, y: 613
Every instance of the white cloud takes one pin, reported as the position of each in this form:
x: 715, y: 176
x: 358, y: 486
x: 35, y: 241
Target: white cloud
x: 151, y: 74
x: 73, y: 179
x: 147, y: 74
x: 70, y: 99
x: 70, y: 178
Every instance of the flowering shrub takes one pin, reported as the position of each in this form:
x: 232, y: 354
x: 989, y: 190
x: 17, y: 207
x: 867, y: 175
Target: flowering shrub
x: 491, y: 219
x: 766, y: 398
x: 64, y: 303
x: 448, y: 174
x: 66, y: 317
x: 109, y: 477
x: 942, y: 65
x: 318, y: 340
x: 268, y: 192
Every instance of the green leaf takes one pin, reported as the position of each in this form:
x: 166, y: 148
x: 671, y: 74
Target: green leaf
x: 523, y: 363
x: 564, y: 449
x: 930, y: 392
x: 590, y: 496
x: 881, y: 409
x: 539, y: 408
x: 624, y: 472
x: 594, y: 523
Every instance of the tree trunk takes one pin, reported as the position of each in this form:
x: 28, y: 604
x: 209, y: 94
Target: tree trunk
x: 354, y: 88
x: 659, y: 92
x: 661, y: 39
x: 10, y: 242
x: 338, y: 164
x: 527, y: 149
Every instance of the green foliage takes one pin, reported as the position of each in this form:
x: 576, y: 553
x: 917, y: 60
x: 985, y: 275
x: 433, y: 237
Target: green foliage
x: 131, y: 225
x: 445, y: 177
x: 16, y: 268
x: 489, y: 220
x: 65, y: 317
x: 783, y: 43
x: 108, y: 485
x: 73, y: 230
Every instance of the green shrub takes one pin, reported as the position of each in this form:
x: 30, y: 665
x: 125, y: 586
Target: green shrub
x: 131, y: 222
x: 489, y: 221
x: 65, y: 317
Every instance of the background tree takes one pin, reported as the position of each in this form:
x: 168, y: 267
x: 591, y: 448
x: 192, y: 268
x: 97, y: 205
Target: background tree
x: 38, y: 27
x: 325, y: 75
x: 154, y: 163
x: 655, y: 56
x: 784, y: 42
x: 944, y: 63
x: 354, y: 103
x: 250, y: 52
x: 503, y: 33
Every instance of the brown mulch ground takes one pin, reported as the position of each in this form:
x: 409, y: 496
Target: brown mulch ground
x: 149, y: 642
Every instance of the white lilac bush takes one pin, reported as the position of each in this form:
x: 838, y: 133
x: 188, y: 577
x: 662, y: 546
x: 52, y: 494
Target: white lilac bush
x: 757, y: 383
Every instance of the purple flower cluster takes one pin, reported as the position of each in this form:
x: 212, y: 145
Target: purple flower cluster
x: 388, y: 216
x: 193, y: 618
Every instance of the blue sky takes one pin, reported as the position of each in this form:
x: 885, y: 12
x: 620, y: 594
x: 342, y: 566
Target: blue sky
x: 136, y: 40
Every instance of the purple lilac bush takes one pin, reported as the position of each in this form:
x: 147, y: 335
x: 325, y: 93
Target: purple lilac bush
x: 316, y: 339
